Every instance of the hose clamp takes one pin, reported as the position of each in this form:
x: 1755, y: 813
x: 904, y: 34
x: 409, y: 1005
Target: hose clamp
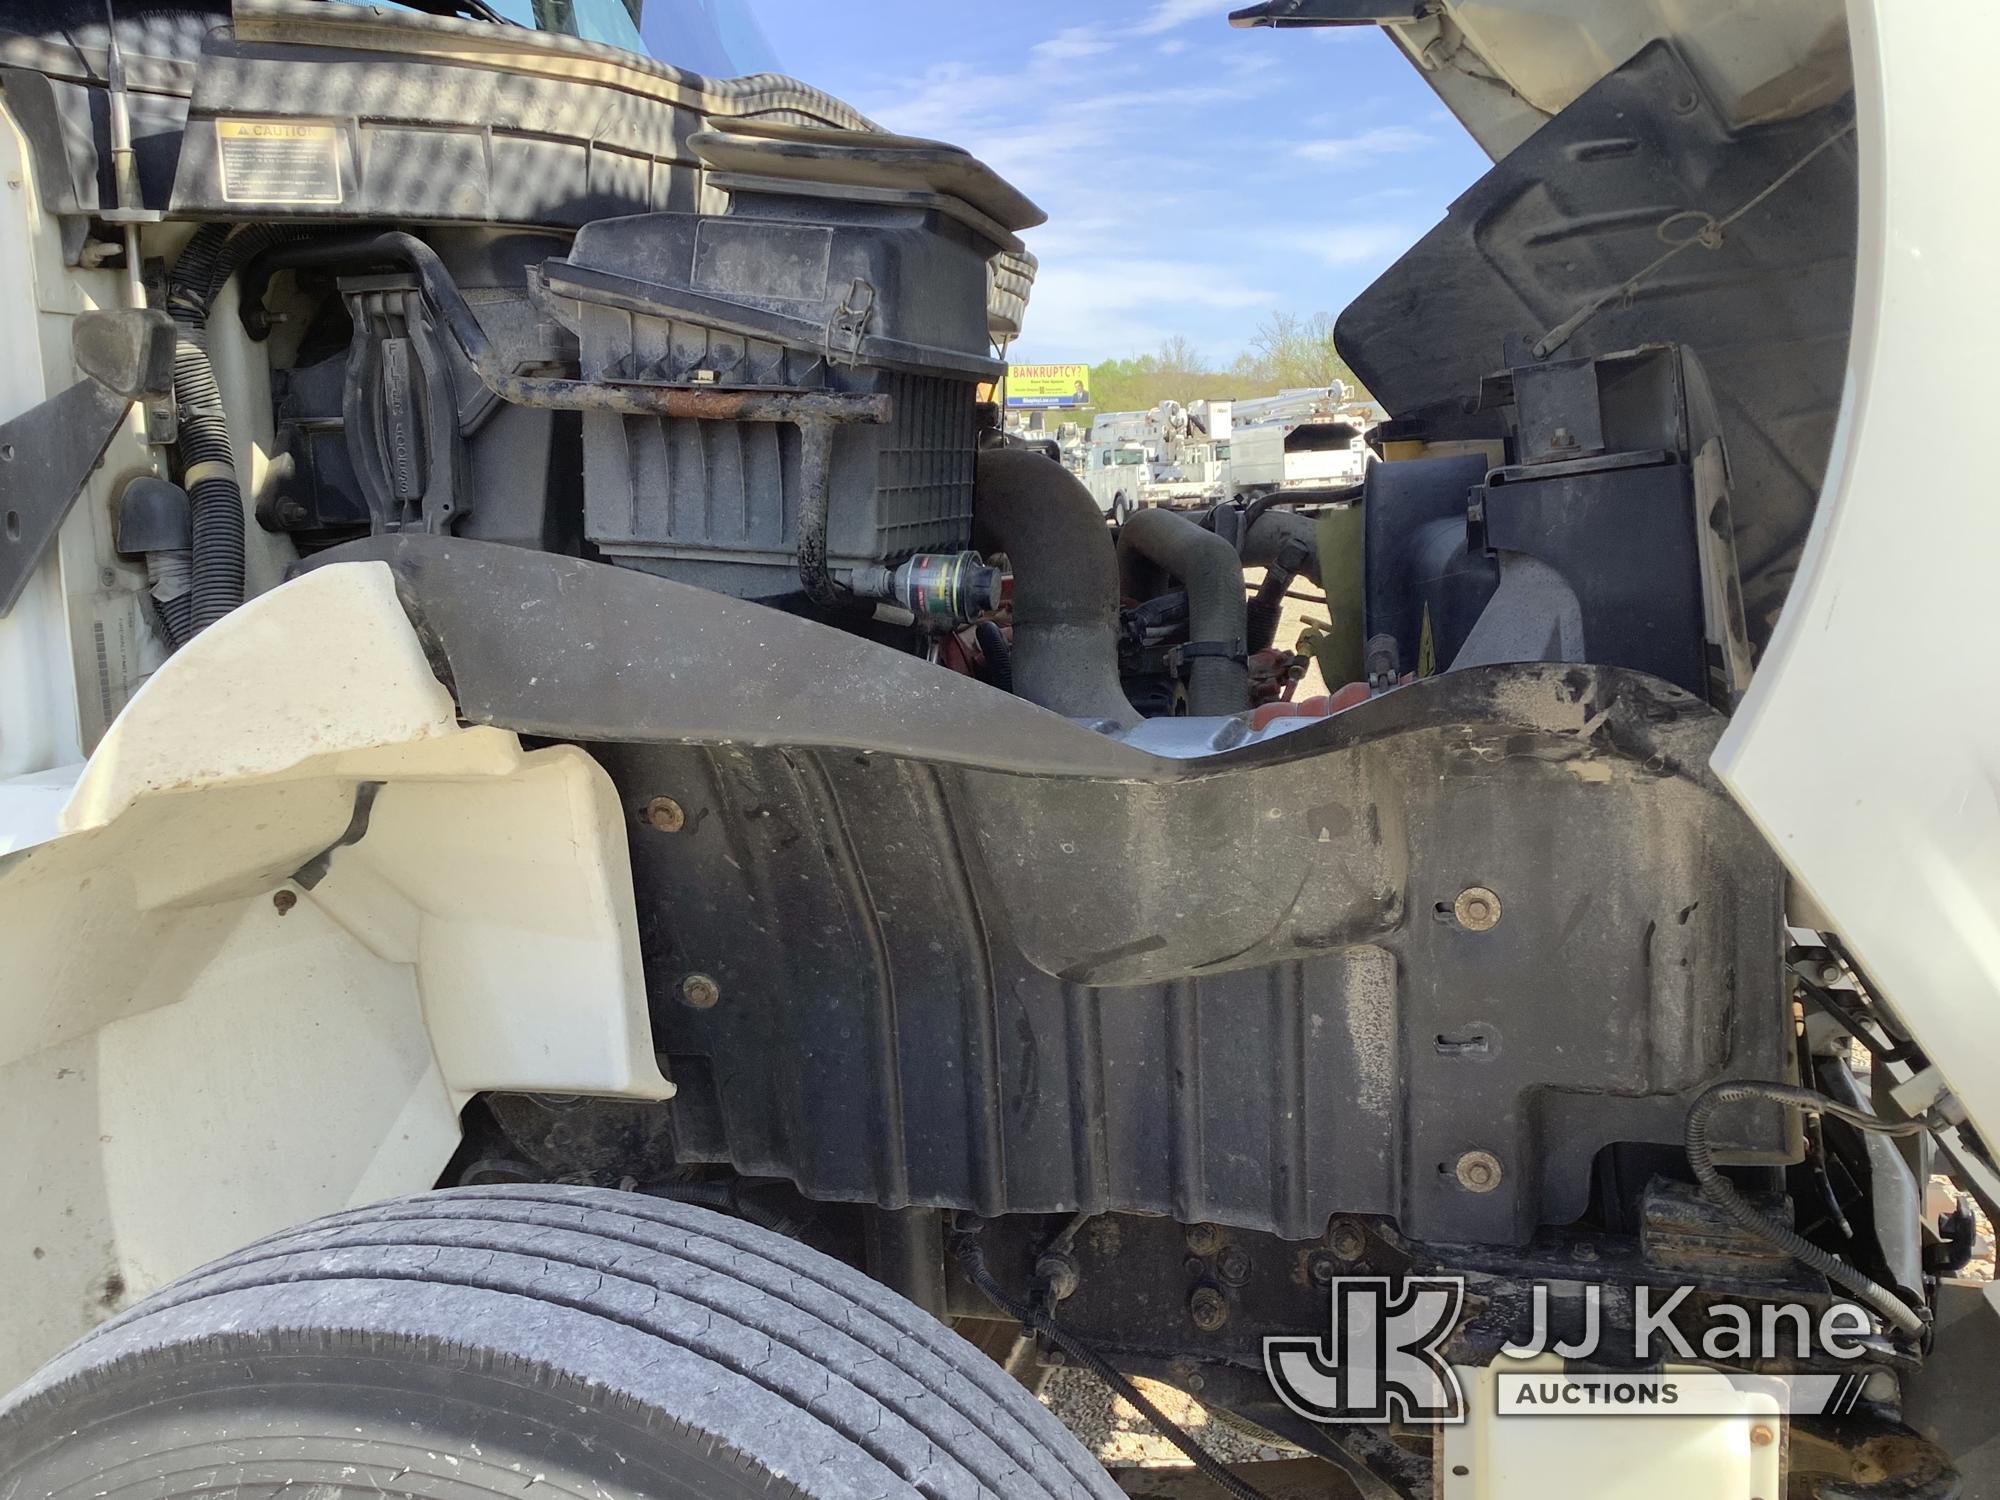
x: 1180, y: 657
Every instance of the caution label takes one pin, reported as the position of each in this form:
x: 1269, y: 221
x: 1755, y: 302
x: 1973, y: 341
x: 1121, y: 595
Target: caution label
x: 278, y: 161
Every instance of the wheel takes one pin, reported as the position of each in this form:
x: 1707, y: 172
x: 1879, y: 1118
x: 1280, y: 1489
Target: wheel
x: 578, y: 1341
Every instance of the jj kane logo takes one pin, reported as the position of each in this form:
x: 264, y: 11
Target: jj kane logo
x: 1379, y: 1360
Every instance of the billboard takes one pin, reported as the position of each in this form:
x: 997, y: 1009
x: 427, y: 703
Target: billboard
x: 1048, y: 385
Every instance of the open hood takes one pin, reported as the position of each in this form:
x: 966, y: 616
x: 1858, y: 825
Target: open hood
x: 1507, y: 67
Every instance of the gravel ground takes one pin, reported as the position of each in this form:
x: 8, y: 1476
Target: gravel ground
x: 1120, y: 1437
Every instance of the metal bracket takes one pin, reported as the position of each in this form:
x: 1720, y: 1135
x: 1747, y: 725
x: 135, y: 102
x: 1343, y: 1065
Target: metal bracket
x: 46, y: 453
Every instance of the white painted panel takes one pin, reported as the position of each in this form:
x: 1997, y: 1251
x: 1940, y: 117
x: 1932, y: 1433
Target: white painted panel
x: 1868, y: 748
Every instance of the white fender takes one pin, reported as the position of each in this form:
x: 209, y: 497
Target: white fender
x: 291, y: 917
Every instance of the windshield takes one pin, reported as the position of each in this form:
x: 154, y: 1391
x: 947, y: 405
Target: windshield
x: 593, y: 20
x: 717, y: 37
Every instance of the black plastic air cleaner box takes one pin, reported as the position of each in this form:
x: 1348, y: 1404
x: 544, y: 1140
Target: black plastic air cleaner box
x: 856, y: 271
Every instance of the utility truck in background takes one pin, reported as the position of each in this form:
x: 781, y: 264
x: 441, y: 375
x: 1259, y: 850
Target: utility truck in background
x: 1155, y: 457
x: 1203, y: 452
x: 607, y: 889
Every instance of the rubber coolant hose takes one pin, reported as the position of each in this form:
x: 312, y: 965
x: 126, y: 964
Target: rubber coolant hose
x: 1218, y: 615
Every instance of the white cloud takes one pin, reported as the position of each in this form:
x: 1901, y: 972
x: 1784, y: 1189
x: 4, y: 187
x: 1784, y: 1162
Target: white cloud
x: 1101, y: 305
x: 1167, y: 14
x: 1072, y: 42
x: 1364, y: 148
x: 1121, y: 146
x: 1385, y: 194
x: 1347, y: 244
x: 1246, y: 64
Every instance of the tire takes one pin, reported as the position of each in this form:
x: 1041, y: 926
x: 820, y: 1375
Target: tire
x: 578, y: 1341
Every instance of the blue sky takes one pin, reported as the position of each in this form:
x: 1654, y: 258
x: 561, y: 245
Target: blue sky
x: 1196, y: 177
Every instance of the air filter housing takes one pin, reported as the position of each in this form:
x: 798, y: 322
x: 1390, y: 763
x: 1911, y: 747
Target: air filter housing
x: 843, y: 264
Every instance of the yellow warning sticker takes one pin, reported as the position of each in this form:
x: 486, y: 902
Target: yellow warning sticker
x: 278, y: 161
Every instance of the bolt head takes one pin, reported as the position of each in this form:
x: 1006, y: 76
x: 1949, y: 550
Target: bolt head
x: 1477, y: 909
x: 1762, y: 1436
x: 1347, y: 1239
x: 1478, y: 1171
x: 664, y: 815
x: 1209, y: 1309
x: 1233, y: 1265
x: 1322, y: 1267
x: 284, y: 901
x: 701, y: 992
x: 1204, y: 1239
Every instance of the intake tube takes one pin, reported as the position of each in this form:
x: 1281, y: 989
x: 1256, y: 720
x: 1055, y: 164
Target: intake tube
x: 1218, y: 674
x: 1065, y: 652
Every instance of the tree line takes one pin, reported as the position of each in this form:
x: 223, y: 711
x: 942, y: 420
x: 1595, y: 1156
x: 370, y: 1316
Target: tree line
x: 1286, y: 351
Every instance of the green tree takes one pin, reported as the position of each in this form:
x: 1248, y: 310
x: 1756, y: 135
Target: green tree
x: 1288, y: 351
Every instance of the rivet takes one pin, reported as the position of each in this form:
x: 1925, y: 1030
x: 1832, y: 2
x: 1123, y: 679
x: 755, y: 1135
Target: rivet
x: 700, y: 991
x: 665, y: 815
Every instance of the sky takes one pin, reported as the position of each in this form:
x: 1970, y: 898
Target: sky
x: 1197, y: 177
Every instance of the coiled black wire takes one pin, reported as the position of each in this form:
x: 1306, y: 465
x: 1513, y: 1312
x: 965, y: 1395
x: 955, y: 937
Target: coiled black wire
x: 1719, y: 1191
x: 1035, y: 1318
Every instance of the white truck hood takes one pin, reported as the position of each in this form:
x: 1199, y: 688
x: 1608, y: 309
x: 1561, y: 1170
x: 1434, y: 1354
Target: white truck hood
x: 1506, y: 67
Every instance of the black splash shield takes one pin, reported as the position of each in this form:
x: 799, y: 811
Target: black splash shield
x: 969, y: 954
